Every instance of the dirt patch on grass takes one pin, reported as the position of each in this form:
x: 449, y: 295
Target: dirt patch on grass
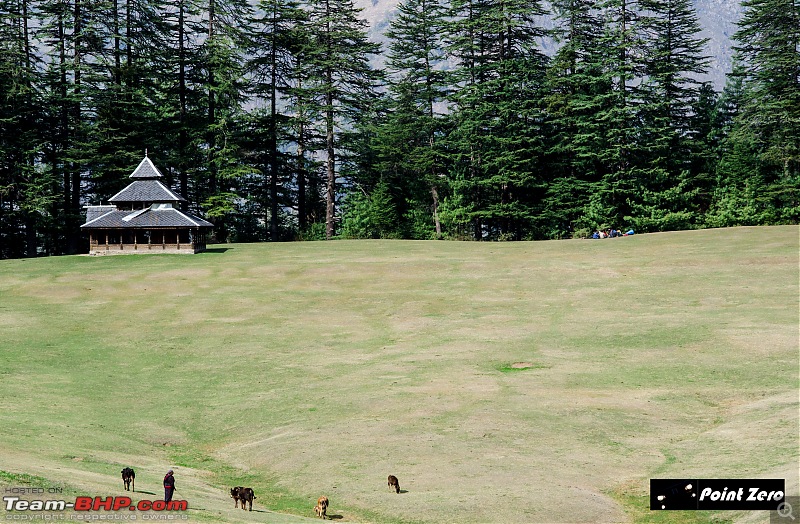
x: 520, y: 366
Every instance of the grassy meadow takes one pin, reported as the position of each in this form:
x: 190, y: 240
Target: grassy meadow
x: 500, y: 382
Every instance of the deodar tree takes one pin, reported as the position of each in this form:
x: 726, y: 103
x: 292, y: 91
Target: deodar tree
x: 343, y: 82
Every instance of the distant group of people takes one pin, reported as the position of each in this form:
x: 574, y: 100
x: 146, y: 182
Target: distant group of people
x: 611, y: 233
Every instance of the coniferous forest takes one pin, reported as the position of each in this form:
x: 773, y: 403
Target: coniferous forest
x: 281, y: 120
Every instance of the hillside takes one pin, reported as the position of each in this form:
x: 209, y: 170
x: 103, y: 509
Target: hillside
x: 500, y: 382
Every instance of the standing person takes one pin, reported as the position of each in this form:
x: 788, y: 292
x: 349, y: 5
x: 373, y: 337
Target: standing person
x: 169, y: 486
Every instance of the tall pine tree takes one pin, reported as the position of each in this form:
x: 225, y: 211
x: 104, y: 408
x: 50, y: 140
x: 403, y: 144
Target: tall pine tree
x: 674, y: 59
x: 408, y: 141
x: 769, y: 120
x: 343, y: 81
x: 273, y: 41
x: 577, y: 92
x: 496, y: 140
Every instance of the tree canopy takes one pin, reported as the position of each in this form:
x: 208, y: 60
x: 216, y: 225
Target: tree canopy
x: 283, y: 120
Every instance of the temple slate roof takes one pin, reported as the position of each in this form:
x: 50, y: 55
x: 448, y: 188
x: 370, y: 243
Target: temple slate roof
x: 93, y: 212
x: 146, y: 169
x: 146, y: 191
x: 149, y: 218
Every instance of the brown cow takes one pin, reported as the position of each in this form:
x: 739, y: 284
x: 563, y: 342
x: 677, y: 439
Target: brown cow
x: 246, y: 495
x: 128, y: 478
x: 235, y: 495
x: 394, y: 483
x: 321, y: 509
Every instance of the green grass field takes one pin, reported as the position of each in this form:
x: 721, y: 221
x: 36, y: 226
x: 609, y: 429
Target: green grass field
x: 501, y: 382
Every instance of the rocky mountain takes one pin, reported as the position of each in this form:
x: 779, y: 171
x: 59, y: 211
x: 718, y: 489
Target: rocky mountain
x: 717, y: 18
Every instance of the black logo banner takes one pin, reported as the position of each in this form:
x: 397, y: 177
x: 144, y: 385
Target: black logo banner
x: 725, y: 494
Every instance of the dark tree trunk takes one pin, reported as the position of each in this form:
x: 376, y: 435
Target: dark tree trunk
x: 302, y: 212
x: 330, y: 209
x: 273, y: 132
x: 212, y: 106
x: 182, y: 138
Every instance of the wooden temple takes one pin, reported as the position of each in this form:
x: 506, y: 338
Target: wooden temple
x: 144, y: 218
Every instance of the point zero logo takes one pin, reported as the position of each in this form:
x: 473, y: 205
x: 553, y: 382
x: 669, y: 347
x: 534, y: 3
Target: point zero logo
x: 720, y: 494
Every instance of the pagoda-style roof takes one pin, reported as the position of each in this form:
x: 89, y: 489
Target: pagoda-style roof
x: 154, y: 217
x: 146, y: 203
x: 146, y: 169
x: 146, y: 191
x: 146, y: 187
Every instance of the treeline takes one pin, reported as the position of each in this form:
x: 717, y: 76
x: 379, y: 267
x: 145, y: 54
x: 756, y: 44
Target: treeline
x: 274, y: 122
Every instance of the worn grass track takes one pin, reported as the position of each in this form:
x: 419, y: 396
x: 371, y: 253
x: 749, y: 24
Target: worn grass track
x: 501, y: 382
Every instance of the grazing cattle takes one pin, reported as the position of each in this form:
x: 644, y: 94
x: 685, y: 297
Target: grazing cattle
x: 246, y: 495
x: 394, y: 484
x: 235, y: 495
x: 321, y: 509
x: 128, y: 479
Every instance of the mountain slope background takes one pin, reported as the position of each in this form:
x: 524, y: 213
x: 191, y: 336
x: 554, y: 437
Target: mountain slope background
x: 718, y: 19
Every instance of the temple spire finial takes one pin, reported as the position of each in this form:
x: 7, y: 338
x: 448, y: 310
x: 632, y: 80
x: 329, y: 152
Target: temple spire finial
x: 145, y: 152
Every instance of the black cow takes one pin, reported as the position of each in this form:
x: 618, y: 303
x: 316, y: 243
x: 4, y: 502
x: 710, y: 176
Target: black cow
x: 243, y: 496
x: 129, y: 479
x: 235, y: 495
x: 246, y: 495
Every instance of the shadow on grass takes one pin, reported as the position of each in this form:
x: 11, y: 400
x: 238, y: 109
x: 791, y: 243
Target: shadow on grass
x: 145, y: 492
x: 335, y: 517
x: 217, y: 250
